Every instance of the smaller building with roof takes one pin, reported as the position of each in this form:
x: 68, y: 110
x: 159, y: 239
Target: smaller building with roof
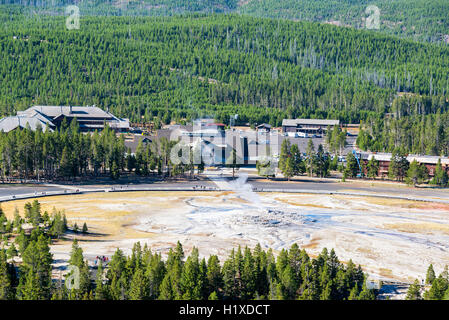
x: 307, y: 126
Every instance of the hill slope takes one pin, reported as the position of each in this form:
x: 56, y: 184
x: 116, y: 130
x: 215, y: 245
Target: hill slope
x: 424, y: 20
x: 256, y: 62
x: 173, y: 68
x: 418, y: 19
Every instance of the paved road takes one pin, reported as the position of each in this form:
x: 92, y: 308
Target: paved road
x: 299, y: 185
x: 349, y: 187
x: 16, y: 189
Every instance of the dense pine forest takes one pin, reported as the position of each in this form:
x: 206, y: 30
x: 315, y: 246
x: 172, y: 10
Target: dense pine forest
x: 128, y: 7
x: 434, y: 288
x: 179, y: 68
x: 67, y: 154
x: 422, y: 20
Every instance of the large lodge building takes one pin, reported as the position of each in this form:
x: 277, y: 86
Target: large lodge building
x: 89, y: 119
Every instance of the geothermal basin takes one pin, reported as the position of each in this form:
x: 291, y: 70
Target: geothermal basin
x: 391, y: 239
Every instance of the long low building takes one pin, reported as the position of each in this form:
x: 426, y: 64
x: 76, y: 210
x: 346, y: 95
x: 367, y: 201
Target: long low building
x: 385, y: 158
x: 89, y: 118
x: 309, y: 126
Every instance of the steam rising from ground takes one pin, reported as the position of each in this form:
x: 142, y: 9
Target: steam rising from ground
x: 240, y: 187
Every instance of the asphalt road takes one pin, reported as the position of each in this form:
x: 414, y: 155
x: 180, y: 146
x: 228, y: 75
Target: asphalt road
x: 16, y: 189
x: 258, y: 184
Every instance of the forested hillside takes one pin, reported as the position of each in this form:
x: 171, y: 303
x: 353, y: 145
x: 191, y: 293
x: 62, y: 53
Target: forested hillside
x: 426, y: 20
x: 175, y: 68
x: 423, y: 20
x: 126, y: 7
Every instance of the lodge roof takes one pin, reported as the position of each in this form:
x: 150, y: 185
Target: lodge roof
x: 11, y: 123
x: 46, y: 115
x: 70, y: 111
x: 317, y: 122
x: 419, y: 158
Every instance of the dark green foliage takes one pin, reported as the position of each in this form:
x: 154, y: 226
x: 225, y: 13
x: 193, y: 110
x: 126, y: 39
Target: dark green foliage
x: 117, y: 276
x: 414, y: 291
x: 232, y: 161
x: 214, y: 276
x: 439, y: 289
x: 290, y: 160
x: 138, y: 290
x: 58, y: 225
x: 322, y: 162
x: 336, y: 140
x: 310, y: 158
x: 192, y: 280
x: 101, y: 289
x: 430, y: 26
x: 286, y: 161
x: 6, y: 281
x: 398, y: 166
x: 430, y: 276
x: 372, y: 168
x: 34, y: 279
x: 417, y: 124
x: 33, y: 213
x: 35, y: 271
x: 155, y: 69
x: 3, y: 221
x: 411, y: 23
x: 76, y: 255
x: 264, y: 70
x: 22, y: 241
x: 12, y: 251
x: 127, y: 7
x: 440, y: 177
x: 352, y: 166
x: 61, y: 154
x: 417, y: 173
